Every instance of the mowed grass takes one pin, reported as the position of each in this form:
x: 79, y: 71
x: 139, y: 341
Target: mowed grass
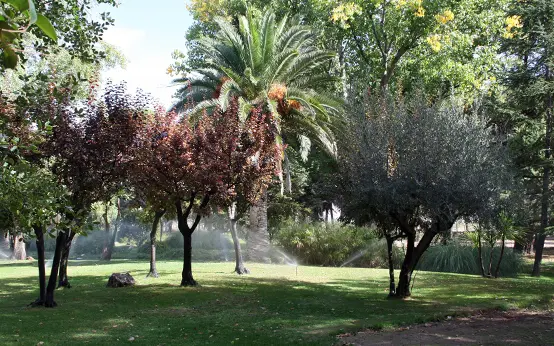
x: 275, y: 305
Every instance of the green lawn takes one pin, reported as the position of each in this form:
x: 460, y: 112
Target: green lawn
x: 273, y: 306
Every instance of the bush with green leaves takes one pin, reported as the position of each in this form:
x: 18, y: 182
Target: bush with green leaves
x: 336, y: 244
x: 457, y: 257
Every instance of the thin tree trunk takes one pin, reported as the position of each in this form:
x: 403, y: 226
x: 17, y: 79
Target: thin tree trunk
x: 157, y: 216
x: 545, y: 198
x: 106, y: 233
x: 480, y: 254
x: 258, y: 238
x: 39, y: 233
x: 502, y: 247
x: 390, y: 244
x: 490, y: 262
x: 239, y: 264
x: 63, y: 280
x: 111, y: 244
x: 60, y: 240
x: 19, y: 251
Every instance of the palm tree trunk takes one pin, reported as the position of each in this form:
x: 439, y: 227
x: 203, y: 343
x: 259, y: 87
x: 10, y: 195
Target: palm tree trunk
x: 19, y: 251
x: 258, y: 237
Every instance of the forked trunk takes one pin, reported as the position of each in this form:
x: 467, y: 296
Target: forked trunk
x: 157, y: 216
x: 64, y: 261
x: 39, y: 233
x: 258, y: 237
x: 413, y: 254
x: 60, y: 241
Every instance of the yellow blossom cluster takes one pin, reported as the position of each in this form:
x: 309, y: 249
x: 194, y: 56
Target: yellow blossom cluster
x: 512, y: 22
x: 416, y: 5
x: 343, y: 13
x: 445, y: 17
x: 434, y: 42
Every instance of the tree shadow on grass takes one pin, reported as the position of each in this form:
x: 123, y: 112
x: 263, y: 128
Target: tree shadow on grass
x: 256, y: 310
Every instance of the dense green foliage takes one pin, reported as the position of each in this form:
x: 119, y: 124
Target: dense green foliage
x: 463, y: 259
x: 333, y: 244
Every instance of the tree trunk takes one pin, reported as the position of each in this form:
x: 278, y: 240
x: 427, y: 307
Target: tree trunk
x: 105, y: 249
x: 403, y: 288
x: 157, y: 216
x: 186, y: 275
x: 413, y: 254
x: 258, y: 238
x: 545, y: 198
x: 60, y: 241
x: 63, y: 280
x: 502, y: 247
x: 39, y: 233
x: 390, y: 244
x: 239, y: 264
x: 5, y: 248
x: 19, y: 252
x: 480, y: 254
x: 111, y: 244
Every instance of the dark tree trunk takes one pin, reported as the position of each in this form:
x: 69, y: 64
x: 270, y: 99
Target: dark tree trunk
x: 186, y: 275
x: 239, y: 264
x: 60, y: 241
x: 539, y: 247
x: 545, y: 198
x: 413, y: 254
x: 403, y: 288
x: 187, y: 231
x: 63, y: 280
x: 480, y: 254
x: 518, y: 247
x: 39, y: 233
x: 502, y: 247
x: 157, y: 216
x: 390, y: 244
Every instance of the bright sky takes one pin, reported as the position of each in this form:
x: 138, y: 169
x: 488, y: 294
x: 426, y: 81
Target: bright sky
x: 147, y: 32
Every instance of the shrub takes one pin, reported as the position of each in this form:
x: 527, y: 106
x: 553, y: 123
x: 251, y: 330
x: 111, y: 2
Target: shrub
x: 333, y: 244
x: 463, y: 259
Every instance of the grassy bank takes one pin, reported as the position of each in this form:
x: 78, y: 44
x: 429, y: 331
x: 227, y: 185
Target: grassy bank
x: 273, y: 306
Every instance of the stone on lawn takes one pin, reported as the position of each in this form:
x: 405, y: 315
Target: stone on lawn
x: 121, y: 280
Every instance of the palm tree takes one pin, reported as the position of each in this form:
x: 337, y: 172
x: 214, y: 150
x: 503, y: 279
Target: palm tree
x: 275, y: 65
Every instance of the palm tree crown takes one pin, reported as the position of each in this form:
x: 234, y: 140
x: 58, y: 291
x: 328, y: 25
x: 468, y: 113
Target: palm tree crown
x: 264, y: 62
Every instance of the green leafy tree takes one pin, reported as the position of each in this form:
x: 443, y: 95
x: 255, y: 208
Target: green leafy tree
x: 419, y: 168
x: 524, y: 109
